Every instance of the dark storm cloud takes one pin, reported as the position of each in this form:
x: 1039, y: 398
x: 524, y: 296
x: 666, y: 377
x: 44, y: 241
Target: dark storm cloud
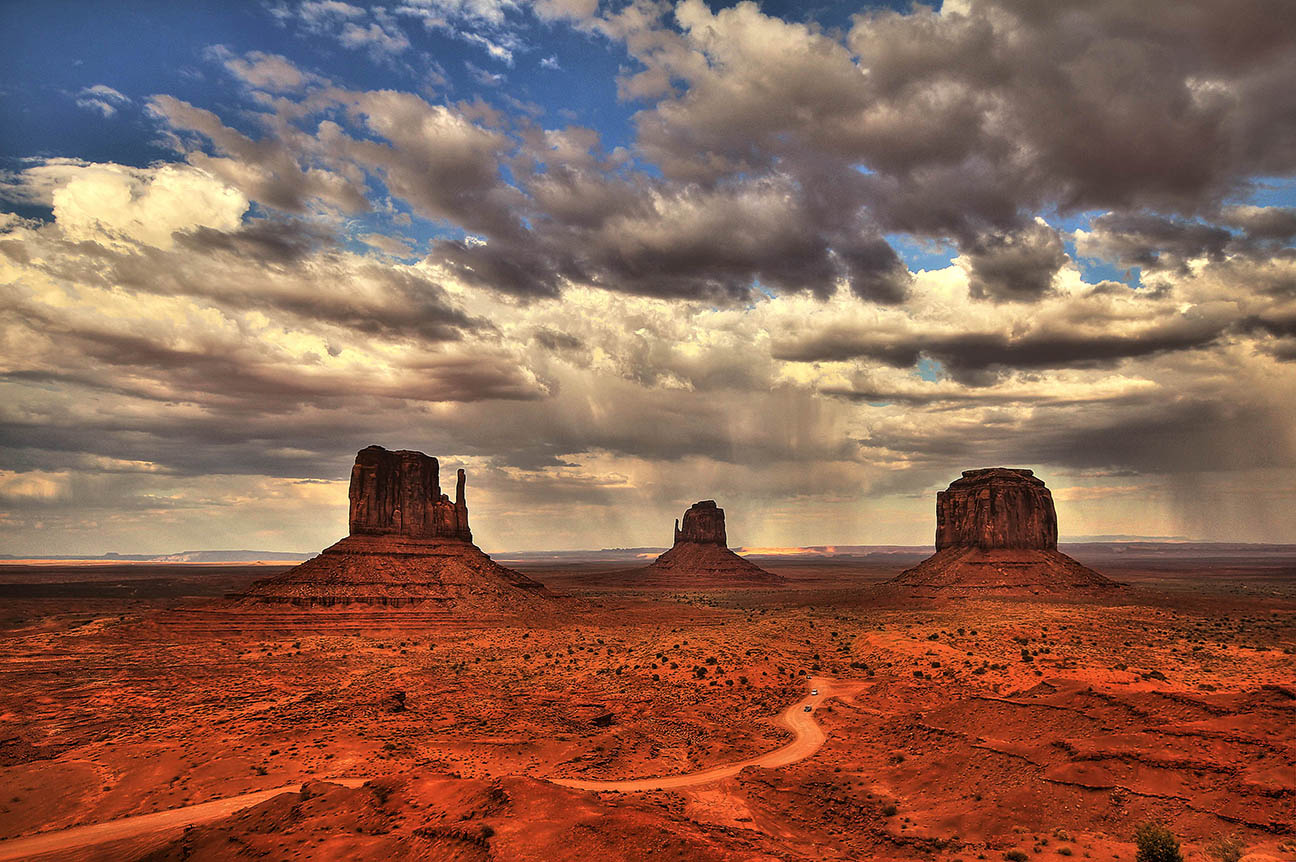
x: 967, y: 123
x: 1254, y: 250
x: 1186, y: 435
x: 556, y: 341
x: 965, y: 355
x: 787, y: 153
x: 195, y: 449
x: 238, y: 380
x: 282, y: 169
x: 686, y: 243
x: 171, y: 412
x: 1175, y: 436
x: 567, y: 213
x: 441, y: 160
x: 1284, y: 351
x: 876, y: 272
x: 280, y: 267
x: 266, y: 241
x: 1155, y: 242
x: 1103, y: 104
x: 1015, y: 266
x: 517, y: 269
x: 1263, y: 224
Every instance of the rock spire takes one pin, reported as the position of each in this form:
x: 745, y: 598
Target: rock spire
x: 701, y: 555
x: 399, y: 494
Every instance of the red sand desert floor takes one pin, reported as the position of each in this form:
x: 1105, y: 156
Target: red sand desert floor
x: 943, y: 729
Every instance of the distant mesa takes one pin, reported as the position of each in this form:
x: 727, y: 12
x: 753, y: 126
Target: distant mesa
x: 997, y: 529
x: 701, y: 554
x: 409, y: 544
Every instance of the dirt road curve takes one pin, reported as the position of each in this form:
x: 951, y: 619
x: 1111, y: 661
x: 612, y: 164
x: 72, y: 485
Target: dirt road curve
x: 809, y: 736
x: 65, y: 840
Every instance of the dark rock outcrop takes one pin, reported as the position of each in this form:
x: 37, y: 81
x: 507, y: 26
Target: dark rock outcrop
x: 701, y: 556
x: 408, y: 545
x: 399, y: 494
x: 703, y: 525
x: 996, y: 508
x: 997, y: 529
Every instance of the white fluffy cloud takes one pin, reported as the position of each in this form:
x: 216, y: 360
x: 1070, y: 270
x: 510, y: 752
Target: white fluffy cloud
x: 111, y: 203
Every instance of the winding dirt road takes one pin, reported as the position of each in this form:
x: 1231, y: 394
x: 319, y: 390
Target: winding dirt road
x: 66, y: 840
x: 808, y: 738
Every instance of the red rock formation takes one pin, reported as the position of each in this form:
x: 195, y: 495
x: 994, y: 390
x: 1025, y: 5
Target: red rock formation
x: 703, y: 525
x: 701, y: 556
x: 408, y: 545
x: 399, y: 494
x: 997, y: 529
x: 996, y: 508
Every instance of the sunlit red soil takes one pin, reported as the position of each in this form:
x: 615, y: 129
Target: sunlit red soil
x: 977, y: 726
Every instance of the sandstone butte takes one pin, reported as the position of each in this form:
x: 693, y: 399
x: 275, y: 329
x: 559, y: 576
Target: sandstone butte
x: 409, y: 544
x: 701, y: 555
x: 996, y: 529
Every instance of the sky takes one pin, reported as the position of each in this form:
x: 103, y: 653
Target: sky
x: 809, y: 260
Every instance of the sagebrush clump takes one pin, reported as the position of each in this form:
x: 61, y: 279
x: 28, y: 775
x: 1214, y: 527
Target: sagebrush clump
x: 1156, y: 843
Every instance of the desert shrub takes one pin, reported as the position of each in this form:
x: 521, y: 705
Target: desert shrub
x: 1156, y: 843
x: 1225, y: 848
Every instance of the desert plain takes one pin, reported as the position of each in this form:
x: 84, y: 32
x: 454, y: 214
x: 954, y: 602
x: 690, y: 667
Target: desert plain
x: 142, y: 716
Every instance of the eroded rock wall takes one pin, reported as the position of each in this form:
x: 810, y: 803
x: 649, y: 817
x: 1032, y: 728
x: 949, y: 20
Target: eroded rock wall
x: 399, y: 494
x: 703, y: 525
x: 999, y: 507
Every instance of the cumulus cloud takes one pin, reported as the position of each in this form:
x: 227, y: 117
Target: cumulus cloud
x: 1097, y: 107
x: 1263, y: 224
x: 113, y: 203
x: 1017, y: 265
x: 289, y: 171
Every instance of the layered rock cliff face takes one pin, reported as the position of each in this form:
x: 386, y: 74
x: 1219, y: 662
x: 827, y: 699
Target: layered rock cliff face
x: 408, y: 545
x: 996, y: 508
x: 399, y: 494
x: 701, y: 556
x: 996, y: 529
x: 703, y: 525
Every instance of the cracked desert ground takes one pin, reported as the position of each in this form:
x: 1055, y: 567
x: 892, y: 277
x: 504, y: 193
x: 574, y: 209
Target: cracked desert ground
x: 953, y: 728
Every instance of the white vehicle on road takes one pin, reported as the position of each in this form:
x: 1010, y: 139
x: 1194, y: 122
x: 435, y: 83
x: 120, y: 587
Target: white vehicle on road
x: 814, y: 691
